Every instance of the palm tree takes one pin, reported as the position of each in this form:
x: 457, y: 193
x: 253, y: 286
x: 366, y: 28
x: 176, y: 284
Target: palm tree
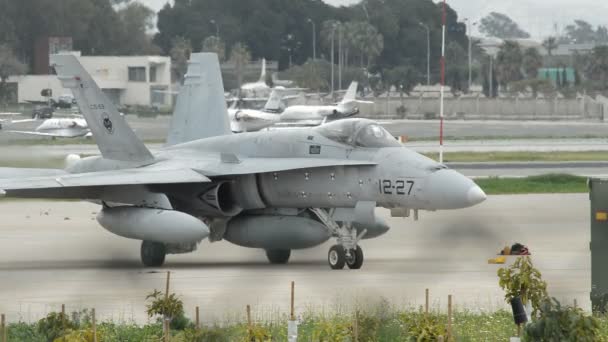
x: 550, y: 44
x: 532, y: 61
x: 327, y: 28
x: 509, y: 62
x: 216, y: 45
x: 240, y: 56
x: 367, y: 41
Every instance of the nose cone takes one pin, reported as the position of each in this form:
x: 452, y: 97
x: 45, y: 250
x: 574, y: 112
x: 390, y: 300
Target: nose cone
x: 476, y: 195
x: 448, y: 189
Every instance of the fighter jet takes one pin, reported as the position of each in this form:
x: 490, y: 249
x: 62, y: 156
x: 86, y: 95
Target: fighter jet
x: 272, y: 190
x: 317, y: 114
x: 251, y: 120
x: 60, y: 128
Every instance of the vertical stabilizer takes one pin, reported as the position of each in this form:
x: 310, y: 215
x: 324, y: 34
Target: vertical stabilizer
x: 263, y: 74
x: 273, y: 105
x: 115, y: 139
x: 200, y: 111
x: 351, y: 93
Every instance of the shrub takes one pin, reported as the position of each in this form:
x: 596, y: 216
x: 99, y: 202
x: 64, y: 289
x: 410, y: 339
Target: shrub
x: 54, y: 325
x: 24, y: 332
x: 170, y: 307
x: 332, y: 330
x: 424, y: 327
x: 559, y: 323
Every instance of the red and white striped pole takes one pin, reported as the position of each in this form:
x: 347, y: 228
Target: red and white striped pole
x: 442, y: 82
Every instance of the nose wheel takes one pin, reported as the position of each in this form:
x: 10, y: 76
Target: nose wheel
x: 337, y: 257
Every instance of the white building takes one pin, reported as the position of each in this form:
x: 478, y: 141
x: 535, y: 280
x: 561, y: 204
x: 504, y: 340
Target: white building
x: 127, y: 80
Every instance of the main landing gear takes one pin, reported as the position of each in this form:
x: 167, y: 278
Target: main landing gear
x: 278, y: 256
x: 153, y: 253
x: 346, y: 252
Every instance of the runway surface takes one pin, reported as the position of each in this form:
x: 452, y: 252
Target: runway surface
x: 55, y: 252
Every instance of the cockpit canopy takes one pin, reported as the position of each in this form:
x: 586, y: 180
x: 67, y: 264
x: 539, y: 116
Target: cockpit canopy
x: 358, y: 133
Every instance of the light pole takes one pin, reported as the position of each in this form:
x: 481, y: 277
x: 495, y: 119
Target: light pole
x: 340, y: 58
x: 314, y: 39
x: 333, y: 31
x: 217, y: 28
x: 428, y: 52
x: 491, y: 76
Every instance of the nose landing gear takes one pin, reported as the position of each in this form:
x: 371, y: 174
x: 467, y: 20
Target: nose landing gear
x: 337, y: 257
x: 346, y: 252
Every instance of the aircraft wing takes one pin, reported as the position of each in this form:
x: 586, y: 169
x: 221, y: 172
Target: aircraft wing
x: 12, y: 172
x: 141, y: 176
x: 18, y: 121
x: 52, y: 135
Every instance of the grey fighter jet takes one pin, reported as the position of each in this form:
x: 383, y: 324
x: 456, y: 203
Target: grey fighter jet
x: 272, y: 190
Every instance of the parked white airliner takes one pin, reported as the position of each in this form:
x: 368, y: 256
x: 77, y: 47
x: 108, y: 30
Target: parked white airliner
x: 318, y: 114
x: 60, y: 128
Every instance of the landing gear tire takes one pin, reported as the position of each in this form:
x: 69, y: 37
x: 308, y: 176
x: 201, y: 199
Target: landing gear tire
x: 336, y: 257
x: 356, y: 259
x: 153, y: 253
x: 278, y: 256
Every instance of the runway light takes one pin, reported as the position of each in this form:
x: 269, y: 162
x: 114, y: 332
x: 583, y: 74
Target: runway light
x: 601, y: 216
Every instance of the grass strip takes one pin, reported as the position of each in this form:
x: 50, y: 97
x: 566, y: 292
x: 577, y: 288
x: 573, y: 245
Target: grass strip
x: 520, y: 156
x: 543, y: 184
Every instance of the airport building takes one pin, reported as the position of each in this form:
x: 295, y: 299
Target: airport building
x: 127, y: 80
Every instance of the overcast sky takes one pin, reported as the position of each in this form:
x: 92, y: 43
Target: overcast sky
x: 538, y: 17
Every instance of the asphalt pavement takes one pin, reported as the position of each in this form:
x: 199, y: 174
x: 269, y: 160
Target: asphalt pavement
x: 54, y: 253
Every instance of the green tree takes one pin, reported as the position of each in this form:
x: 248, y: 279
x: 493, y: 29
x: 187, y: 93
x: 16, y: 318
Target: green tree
x: 550, y: 44
x: 9, y: 66
x: 580, y: 32
x: 180, y: 53
x: 137, y: 20
x: 501, y: 26
x: 509, y: 62
x: 532, y: 61
x: 216, y: 45
x: 598, y: 67
x: 404, y: 78
x: 312, y: 75
x: 457, y: 69
x: 522, y: 280
x: 240, y: 57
